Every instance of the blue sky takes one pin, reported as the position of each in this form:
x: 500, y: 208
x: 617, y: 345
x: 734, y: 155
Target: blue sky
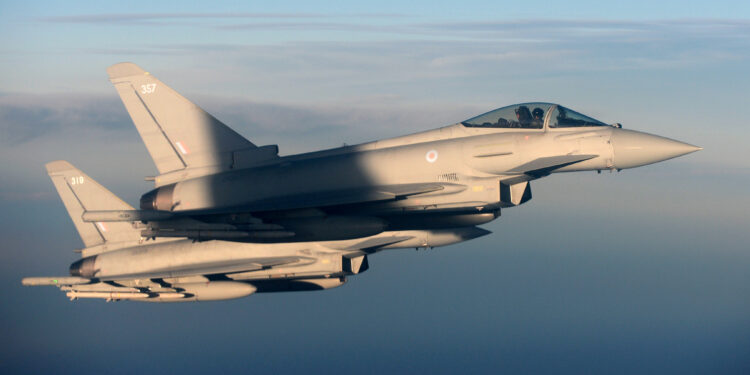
x: 643, y: 271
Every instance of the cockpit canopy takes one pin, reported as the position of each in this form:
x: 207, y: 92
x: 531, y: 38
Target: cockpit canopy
x: 532, y: 116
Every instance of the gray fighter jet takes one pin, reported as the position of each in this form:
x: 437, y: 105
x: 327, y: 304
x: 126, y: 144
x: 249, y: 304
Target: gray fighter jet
x: 228, y: 218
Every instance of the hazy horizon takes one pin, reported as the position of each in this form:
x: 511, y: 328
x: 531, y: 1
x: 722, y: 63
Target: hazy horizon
x: 641, y: 271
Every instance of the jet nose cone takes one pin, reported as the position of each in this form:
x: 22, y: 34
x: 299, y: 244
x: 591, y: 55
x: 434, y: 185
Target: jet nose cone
x: 633, y: 149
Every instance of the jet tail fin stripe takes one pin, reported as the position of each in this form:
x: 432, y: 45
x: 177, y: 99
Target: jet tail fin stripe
x: 161, y: 130
x: 79, y: 193
x: 169, y: 123
x: 157, y: 143
x: 97, y: 227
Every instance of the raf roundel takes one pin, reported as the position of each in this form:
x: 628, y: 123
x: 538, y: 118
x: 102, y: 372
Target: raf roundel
x: 431, y: 156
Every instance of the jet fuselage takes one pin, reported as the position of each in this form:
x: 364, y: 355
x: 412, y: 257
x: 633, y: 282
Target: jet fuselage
x: 468, y: 168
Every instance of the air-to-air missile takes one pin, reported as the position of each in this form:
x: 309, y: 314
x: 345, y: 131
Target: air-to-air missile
x: 228, y: 218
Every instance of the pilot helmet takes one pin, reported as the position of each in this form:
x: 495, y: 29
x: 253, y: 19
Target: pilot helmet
x: 538, y: 113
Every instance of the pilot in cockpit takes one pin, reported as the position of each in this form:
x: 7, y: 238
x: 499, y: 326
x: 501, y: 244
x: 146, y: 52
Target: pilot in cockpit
x: 538, y: 118
x: 524, y: 117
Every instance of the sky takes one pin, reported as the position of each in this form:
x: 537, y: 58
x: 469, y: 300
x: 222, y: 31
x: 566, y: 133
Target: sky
x: 641, y: 271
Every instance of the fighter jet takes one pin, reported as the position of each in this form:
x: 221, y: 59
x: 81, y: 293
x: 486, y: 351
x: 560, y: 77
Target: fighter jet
x: 228, y: 218
x: 119, y: 264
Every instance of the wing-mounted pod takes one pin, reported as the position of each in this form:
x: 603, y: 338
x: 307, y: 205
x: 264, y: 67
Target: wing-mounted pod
x: 78, y: 288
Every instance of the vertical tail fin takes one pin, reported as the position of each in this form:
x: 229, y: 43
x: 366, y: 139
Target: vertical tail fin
x: 177, y: 133
x: 80, y: 193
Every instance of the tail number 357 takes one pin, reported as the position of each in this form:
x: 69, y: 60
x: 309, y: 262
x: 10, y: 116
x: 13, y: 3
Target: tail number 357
x: 148, y: 88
